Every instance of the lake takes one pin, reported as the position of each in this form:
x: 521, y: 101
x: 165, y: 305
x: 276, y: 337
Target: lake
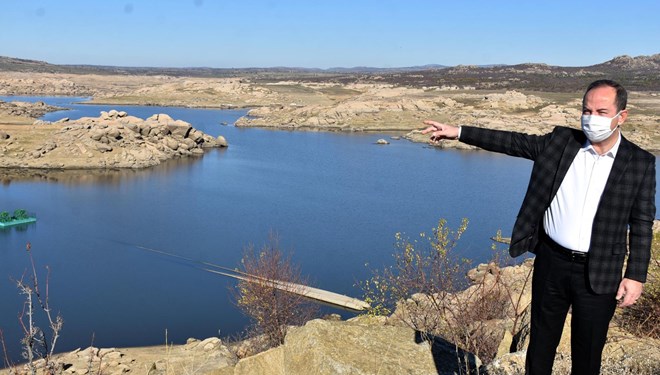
x: 334, y: 200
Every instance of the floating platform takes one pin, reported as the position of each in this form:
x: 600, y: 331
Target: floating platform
x: 18, y: 222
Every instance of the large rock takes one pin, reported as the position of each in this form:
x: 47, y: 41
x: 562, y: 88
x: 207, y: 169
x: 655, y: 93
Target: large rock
x: 343, y: 348
x: 331, y: 347
x: 179, y: 128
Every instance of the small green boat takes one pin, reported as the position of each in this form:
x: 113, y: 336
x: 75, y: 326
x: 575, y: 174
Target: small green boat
x: 19, y: 217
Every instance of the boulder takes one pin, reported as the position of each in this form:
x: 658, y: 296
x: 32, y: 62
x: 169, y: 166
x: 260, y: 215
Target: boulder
x: 113, y: 133
x: 171, y: 143
x: 326, y: 347
x: 102, y: 147
x: 96, y: 134
x: 270, y: 362
x: 508, y: 364
x: 187, y: 144
x: 334, y: 347
x: 161, y: 118
x: 221, y: 141
x: 179, y: 128
x: 4, y: 135
x: 196, y: 135
x: 382, y: 142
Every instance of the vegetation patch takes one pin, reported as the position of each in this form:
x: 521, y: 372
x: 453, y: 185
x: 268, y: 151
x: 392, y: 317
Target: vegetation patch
x: 19, y: 214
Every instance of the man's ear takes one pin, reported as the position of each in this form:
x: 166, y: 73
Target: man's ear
x: 623, y: 116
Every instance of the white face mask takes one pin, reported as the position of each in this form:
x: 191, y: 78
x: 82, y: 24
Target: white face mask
x: 597, y: 128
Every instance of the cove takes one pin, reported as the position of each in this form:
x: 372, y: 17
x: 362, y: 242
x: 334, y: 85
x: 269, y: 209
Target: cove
x: 335, y: 201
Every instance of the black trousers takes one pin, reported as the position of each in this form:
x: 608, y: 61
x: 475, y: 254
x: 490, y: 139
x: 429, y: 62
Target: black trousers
x: 560, y: 282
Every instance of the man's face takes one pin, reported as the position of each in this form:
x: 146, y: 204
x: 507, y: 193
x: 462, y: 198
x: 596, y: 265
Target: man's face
x: 601, y: 101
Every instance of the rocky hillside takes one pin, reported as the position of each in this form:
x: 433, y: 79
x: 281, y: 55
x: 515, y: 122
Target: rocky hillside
x: 640, y: 73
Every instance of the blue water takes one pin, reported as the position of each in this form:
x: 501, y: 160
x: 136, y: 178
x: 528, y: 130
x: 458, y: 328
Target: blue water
x: 335, y: 201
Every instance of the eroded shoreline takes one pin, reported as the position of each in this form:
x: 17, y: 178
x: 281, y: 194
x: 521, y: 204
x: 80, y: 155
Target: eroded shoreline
x: 298, y: 105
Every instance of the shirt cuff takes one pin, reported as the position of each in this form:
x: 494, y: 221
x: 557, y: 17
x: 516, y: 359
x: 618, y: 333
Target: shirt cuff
x: 459, y: 132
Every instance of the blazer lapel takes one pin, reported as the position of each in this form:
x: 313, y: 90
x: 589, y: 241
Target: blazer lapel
x: 621, y: 161
x: 572, y: 147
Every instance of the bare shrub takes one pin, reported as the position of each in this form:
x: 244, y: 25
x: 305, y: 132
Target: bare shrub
x: 261, y: 297
x: 427, y: 289
x: 424, y: 272
x: 643, y: 318
x: 7, y: 361
x: 38, y: 345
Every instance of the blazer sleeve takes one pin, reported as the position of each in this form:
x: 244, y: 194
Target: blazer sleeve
x: 506, y: 142
x: 641, y: 226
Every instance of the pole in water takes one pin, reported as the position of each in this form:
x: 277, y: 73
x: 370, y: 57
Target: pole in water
x: 317, y: 294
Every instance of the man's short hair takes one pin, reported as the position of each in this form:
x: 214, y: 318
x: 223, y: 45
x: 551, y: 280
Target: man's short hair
x: 621, y: 93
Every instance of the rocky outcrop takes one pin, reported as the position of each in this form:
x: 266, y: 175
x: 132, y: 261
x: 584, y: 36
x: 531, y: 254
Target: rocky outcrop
x: 112, y: 140
x: 644, y: 63
x: 31, y: 86
x: 25, y: 109
x: 196, y: 356
x: 511, y: 100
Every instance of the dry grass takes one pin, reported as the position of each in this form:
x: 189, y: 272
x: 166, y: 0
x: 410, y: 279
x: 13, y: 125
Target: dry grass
x: 7, y: 120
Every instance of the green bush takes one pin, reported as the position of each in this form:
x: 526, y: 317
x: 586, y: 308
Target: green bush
x: 20, y: 214
x: 5, y: 217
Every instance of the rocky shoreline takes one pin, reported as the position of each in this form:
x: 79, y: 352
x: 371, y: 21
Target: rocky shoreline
x: 303, y: 105
x: 24, y: 109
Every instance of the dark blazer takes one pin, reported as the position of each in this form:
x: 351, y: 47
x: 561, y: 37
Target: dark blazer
x: 627, y: 203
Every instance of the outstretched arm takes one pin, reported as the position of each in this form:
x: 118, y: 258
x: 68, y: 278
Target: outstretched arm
x: 506, y: 142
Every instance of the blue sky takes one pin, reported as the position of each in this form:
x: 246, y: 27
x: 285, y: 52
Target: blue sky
x: 322, y: 34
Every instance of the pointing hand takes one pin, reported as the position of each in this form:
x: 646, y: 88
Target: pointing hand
x: 440, y: 131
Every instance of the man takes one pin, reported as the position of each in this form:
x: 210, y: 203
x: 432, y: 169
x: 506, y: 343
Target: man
x: 591, y: 193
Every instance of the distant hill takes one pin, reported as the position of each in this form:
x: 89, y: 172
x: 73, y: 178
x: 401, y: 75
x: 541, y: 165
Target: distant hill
x: 638, y: 73
x: 11, y: 64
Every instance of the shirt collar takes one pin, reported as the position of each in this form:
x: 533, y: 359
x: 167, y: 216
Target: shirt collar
x: 587, y: 146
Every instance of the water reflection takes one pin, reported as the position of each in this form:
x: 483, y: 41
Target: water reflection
x: 96, y: 176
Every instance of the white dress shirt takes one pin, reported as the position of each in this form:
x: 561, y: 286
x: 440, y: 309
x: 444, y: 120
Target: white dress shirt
x: 569, y: 219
